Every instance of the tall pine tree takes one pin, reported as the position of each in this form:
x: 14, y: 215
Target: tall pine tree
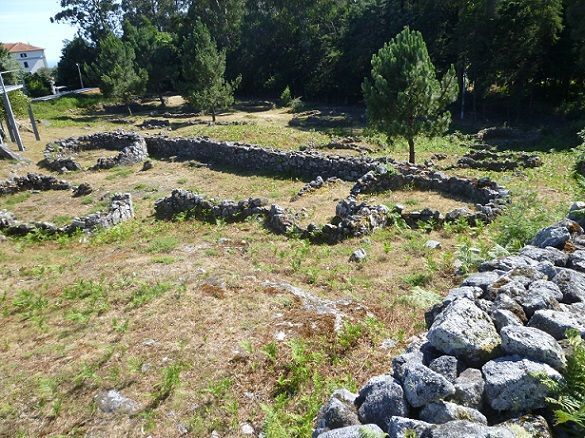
x: 403, y: 96
x: 203, y: 67
x: 116, y: 71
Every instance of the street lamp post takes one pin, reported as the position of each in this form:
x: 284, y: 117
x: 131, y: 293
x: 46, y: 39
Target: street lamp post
x: 79, y: 71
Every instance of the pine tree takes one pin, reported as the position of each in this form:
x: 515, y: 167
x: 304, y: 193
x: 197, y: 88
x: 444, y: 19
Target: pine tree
x: 158, y: 56
x: 404, y: 97
x: 116, y: 70
x: 203, y: 67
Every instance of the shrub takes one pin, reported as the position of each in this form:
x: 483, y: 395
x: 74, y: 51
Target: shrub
x: 297, y: 105
x: 568, y: 395
x: 38, y: 84
x: 18, y: 102
x: 286, y: 97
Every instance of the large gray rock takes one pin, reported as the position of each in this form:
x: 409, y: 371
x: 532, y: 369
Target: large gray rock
x: 334, y: 415
x: 503, y: 318
x: 447, y: 366
x: 577, y: 213
x: 533, y: 426
x: 504, y: 302
x: 422, y: 385
x: 358, y: 431
x: 577, y: 261
x: 381, y: 399
x: 481, y: 279
x: 512, y: 384
x: 465, y: 331
x: 469, y: 389
x: 358, y: 256
x: 524, y: 275
x: 400, y: 362
x: 440, y: 412
x: 467, y: 429
x: 401, y: 427
x: 542, y: 294
x: 550, y: 254
x: 113, y: 401
x: 557, y: 322
x: 507, y: 263
x: 533, y: 344
x: 555, y: 236
x: 572, y: 285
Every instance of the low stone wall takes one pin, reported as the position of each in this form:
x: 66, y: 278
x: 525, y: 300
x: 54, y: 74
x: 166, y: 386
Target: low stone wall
x: 121, y: 209
x: 132, y: 147
x: 476, y: 371
x: 489, y: 198
x: 311, y: 186
x: 32, y: 181
x: 499, y: 161
x: 354, y: 223
x: 306, y: 164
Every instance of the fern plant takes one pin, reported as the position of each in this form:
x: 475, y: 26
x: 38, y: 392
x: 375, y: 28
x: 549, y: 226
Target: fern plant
x: 567, y: 396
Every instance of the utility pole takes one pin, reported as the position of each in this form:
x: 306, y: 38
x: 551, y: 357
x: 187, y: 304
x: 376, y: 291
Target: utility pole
x: 79, y: 71
x: 10, y: 115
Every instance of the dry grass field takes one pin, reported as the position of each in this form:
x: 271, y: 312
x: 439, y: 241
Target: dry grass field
x: 195, y: 321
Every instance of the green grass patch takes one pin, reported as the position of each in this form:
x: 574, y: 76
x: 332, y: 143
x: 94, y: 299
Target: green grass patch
x: 163, y: 244
x: 148, y: 292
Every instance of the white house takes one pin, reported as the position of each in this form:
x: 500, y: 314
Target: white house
x: 30, y: 58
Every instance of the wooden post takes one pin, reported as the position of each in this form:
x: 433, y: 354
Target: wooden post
x: 10, y: 116
x: 33, y: 122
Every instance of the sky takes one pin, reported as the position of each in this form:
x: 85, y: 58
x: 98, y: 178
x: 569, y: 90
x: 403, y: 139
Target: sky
x: 28, y: 21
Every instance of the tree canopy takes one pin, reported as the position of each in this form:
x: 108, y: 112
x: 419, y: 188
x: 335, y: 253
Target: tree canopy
x: 515, y: 53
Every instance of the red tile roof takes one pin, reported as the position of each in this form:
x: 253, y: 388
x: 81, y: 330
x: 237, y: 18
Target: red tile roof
x: 20, y: 47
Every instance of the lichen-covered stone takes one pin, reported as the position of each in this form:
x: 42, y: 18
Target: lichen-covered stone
x: 447, y: 366
x: 401, y: 427
x: 423, y: 385
x: 557, y: 322
x: 533, y: 344
x: 440, y: 412
x: 512, y: 384
x: 465, y: 331
x: 469, y: 389
x: 468, y: 429
x: 381, y: 398
x: 358, y: 431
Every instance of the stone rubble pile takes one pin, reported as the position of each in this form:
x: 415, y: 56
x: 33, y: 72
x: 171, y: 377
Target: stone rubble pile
x: 121, y: 209
x: 32, y: 181
x: 477, y: 371
x: 59, y: 156
x: 316, y: 184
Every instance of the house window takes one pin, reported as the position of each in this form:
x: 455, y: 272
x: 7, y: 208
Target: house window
x: 25, y: 64
x: 23, y: 55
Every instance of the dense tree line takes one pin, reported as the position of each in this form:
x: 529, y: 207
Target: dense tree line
x: 519, y: 53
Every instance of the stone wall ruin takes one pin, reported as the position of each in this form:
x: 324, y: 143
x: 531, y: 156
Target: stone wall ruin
x: 353, y: 218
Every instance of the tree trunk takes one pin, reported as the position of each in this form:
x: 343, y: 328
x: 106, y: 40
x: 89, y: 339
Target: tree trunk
x: 213, y: 114
x: 411, y: 150
x: 162, y: 101
x: 129, y: 110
